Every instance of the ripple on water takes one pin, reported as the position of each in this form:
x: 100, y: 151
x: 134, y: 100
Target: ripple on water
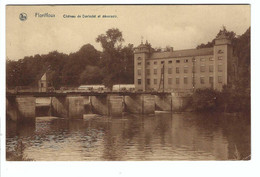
x: 164, y: 136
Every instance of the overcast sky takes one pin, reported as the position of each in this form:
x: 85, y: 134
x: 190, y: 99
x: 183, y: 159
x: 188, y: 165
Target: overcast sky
x: 181, y: 27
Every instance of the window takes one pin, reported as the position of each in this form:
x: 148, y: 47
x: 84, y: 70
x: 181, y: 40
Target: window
x: 220, y: 68
x: 155, y: 81
x: 211, y: 80
x: 42, y: 84
x: 211, y: 68
x: 202, y: 68
x: 169, y: 70
x: 155, y: 62
x: 148, y: 63
x: 219, y: 79
x: 185, y: 69
x: 202, y: 59
x: 185, y: 80
x: 170, y: 61
x: 139, y: 71
x: 186, y: 61
x: 211, y: 59
x: 162, y: 62
x: 148, y: 71
x: 170, y: 81
x: 177, y: 70
x: 177, y: 80
x: 139, y: 58
x: 148, y: 81
x: 139, y: 81
x: 155, y: 71
x: 139, y: 63
x: 177, y: 61
x: 220, y: 58
x: 202, y: 80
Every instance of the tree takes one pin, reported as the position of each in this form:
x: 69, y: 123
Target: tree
x: 86, y: 66
x: 87, y: 55
x: 230, y: 34
x: 91, y: 75
x: 114, y: 57
x: 112, y: 40
x: 204, y: 99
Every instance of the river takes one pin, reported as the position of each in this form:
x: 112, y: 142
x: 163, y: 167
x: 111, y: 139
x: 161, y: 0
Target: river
x: 163, y: 136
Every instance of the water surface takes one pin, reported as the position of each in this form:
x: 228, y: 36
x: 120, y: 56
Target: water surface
x: 163, y: 136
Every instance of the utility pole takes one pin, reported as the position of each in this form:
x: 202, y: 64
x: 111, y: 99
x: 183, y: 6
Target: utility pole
x: 193, y: 73
x: 163, y: 76
x: 162, y: 79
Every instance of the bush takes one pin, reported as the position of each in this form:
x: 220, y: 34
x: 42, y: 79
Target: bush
x: 229, y: 100
x: 204, y: 100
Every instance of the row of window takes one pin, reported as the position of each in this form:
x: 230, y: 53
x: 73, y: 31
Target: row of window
x: 185, y: 69
x: 179, y: 61
x: 185, y: 80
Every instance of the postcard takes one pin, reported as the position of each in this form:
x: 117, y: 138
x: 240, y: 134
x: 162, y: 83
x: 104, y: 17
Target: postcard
x: 128, y: 82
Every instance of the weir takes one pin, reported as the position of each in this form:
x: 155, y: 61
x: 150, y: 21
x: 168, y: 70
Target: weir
x: 99, y: 104
x: 116, y: 103
x: 163, y: 102
x: 21, y: 108
x: 74, y: 106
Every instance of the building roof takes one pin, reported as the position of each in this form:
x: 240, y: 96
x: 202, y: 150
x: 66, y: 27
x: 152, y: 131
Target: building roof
x: 182, y: 53
x: 44, y: 77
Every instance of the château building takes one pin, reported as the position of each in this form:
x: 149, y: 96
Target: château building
x: 185, y: 70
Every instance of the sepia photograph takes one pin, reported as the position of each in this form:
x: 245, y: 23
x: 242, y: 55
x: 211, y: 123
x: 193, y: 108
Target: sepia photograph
x: 128, y: 83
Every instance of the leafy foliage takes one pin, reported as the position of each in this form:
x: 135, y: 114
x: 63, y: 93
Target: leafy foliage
x: 204, y: 100
x: 117, y: 61
x: 228, y: 100
x: 237, y: 98
x: 86, y: 66
x: 230, y: 34
x: 241, y: 49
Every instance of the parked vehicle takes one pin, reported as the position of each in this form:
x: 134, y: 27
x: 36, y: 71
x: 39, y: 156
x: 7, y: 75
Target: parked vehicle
x: 92, y: 88
x: 123, y: 88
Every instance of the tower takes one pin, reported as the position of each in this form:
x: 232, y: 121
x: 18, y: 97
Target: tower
x: 223, y: 59
x: 141, y: 53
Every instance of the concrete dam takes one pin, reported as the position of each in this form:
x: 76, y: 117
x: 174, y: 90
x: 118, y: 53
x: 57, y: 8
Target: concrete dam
x: 24, y: 106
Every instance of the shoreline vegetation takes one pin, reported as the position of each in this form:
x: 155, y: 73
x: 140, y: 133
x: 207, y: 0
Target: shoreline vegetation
x: 229, y: 101
x: 115, y: 65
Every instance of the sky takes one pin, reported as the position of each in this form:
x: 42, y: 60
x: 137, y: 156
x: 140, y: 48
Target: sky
x: 178, y: 26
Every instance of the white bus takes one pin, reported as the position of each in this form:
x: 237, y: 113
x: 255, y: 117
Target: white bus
x: 123, y: 88
x: 92, y: 88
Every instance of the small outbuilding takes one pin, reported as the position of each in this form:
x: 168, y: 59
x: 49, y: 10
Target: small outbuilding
x: 43, y: 83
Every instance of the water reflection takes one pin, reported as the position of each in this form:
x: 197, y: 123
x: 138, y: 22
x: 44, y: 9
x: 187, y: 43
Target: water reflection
x: 185, y: 136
